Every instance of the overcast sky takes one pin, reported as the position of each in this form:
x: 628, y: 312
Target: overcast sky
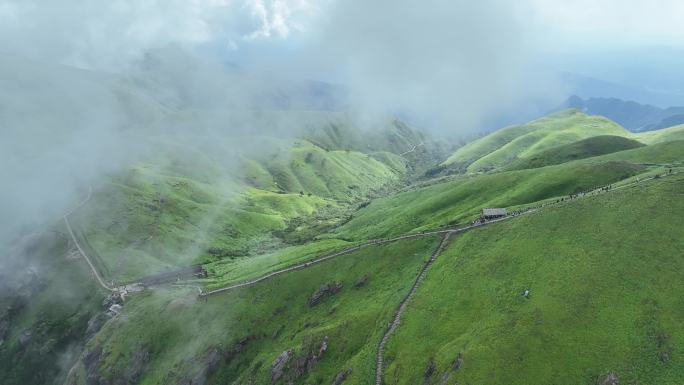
x: 83, y: 32
x: 587, y: 23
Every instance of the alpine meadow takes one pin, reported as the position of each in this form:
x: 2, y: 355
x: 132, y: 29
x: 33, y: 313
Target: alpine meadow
x: 316, y: 192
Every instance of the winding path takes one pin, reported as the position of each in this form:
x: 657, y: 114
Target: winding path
x: 78, y: 245
x: 352, y: 250
x: 310, y: 263
x: 413, y: 148
x: 402, y: 307
x: 446, y: 233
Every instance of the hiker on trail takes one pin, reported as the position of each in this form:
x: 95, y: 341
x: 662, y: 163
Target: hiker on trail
x: 526, y: 293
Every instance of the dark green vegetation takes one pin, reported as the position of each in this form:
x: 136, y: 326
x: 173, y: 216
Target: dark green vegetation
x: 585, y: 148
x: 169, y: 337
x: 604, y: 271
x: 605, y: 275
x: 48, y: 307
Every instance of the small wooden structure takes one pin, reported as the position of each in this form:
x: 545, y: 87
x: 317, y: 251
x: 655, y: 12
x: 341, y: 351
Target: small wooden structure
x: 493, y: 213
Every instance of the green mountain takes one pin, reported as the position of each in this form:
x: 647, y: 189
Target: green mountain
x: 561, y: 136
x: 523, y: 141
x: 603, y: 298
x: 327, y: 263
x: 213, y: 202
x: 664, y: 135
x: 585, y: 148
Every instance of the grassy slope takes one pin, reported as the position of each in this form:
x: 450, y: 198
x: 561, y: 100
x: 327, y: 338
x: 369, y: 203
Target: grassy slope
x: 227, y: 271
x: 605, y: 275
x: 178, y: 332
x: 559, y: 137
x: 510, y: 143
x: 663, y: 135
x: 174, y: 214
x: 436, y: 205
x: 454, y: 201
x: 460, y: 200
x: 585, y: 148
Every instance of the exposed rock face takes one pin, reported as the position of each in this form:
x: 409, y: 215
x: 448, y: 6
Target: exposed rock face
x: 664, y: 357
x: 361, y: 282
x: 91, y: 360
x: 309, y: 360
x: 25, y: 337
x: 278, y: 366
x: 290, y: 367
x: 4, y: 327
x: 197, y: 370
x: 324, y: 291
x: 136, y: 367
x: 129, y: 375
x: 430, y: 369
x: 341, y: 376
x: 458, y: 361
x: 95, y: 323
x: 610, y: 379
x: 663, y: 341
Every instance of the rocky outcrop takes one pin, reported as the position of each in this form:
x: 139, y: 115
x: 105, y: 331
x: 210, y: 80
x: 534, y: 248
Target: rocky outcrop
x: 128, y: 374
x: 430, y: 369
x: 610, y: 379
x: 91, y: 364
x: 341, y: 376
x: 279, y: 364
x: 95, y: 324
x: 4, y: 327
x: 290, y: 366
x: 361, y: 282
x: 25, y: 337
x: 458, y: 361
x: 324, y: 291
x: 197, y: 370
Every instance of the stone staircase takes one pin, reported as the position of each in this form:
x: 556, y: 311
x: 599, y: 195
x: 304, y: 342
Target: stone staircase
x: 404, y: 304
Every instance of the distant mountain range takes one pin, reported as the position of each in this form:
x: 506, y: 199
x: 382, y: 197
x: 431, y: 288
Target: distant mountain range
x: 634, y: 116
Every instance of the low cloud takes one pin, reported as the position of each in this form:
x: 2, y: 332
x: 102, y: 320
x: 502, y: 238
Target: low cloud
x: 448, y: 64
x: 80, y: 81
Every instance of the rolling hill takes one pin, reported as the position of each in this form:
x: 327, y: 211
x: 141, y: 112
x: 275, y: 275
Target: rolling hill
x: 602, y: 298
x: 322, y: 323
x: 511, y: 143
x: 585, y: 148
x: 205, y: 206
x: 565, y: 135
x: 603, y: 270
x: 664, y: 135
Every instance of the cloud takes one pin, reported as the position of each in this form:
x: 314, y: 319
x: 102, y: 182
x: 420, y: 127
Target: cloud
x: 278, y: 17
x: 110, y: 35
x: 449, y: 63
